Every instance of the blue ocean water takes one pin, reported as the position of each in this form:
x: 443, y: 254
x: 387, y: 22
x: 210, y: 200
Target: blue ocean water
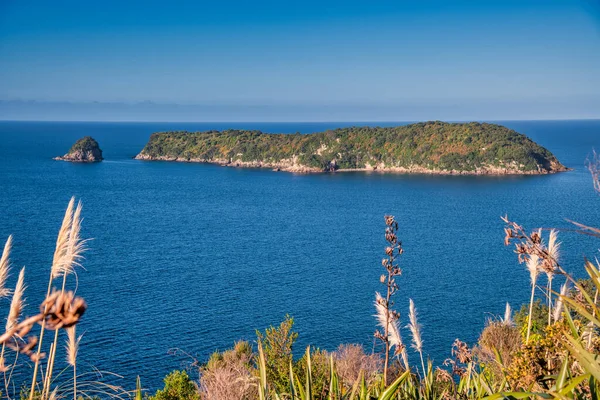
x: 194, y: 256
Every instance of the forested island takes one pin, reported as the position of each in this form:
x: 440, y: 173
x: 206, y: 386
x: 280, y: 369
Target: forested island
x: 428, y: 147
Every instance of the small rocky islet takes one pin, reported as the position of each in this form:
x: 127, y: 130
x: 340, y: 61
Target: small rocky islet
x: 85, y: 150
x: 427, y: 148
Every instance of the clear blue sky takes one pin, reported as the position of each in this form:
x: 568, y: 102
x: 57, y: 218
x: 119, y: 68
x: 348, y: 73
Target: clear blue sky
x: 400, y: 60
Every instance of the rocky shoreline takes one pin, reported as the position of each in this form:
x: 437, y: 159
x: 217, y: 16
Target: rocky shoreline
x: 294, y: 167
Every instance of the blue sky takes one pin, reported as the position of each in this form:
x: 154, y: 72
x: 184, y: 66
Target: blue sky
x: 363, y: 60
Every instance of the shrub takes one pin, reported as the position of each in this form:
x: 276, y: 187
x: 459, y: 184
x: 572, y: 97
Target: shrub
x: 500, y: 337
x: 229, y: 375
x: 539, y: 317
x: 178, y: 386
x: 277, y: 345
x: 351, y: 360
x: 541, y: 357
x: 320, y: 371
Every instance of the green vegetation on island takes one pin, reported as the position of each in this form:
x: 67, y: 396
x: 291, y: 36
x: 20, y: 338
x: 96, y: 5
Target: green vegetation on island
x: 85, y: 149
x: 427, y: 147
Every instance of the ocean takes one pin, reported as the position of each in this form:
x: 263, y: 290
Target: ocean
x: 185, y: 259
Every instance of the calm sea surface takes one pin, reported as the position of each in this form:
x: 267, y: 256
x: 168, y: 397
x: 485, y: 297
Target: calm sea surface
x: 194, y: 256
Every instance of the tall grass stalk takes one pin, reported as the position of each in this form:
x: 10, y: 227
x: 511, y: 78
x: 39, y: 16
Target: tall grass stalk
x: 5, y: 267
x: 553, y: 250
x: 415, y: 329
x: 62, y: 243
x: 73, y: 254
x: 508, y: 320
x: 4, y: 270
x: 533, y: 266
x: 393, y: 328
x: 16, y: 307
x: 72, y: 350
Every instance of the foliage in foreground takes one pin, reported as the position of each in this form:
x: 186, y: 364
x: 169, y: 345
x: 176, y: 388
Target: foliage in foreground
x: 549, y: 349
x: 552, y: 351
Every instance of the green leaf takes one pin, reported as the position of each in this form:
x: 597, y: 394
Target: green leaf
x: 263, y: 392
x: 138, y: 389
x: 334, y: 389
x: 573, y: 383
x: 587, y: 360
x: 561, y: 379
x: 308, y: 389
x: 390, y: 391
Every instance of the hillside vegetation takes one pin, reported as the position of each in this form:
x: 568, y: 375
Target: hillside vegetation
x: 84, y: 144
x: 435, y: 147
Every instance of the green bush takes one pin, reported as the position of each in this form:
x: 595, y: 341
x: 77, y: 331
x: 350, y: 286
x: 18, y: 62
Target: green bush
x: 277, y: 343
x: 178, y: 386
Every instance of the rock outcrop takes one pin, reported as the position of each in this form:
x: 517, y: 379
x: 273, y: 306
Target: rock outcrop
x: 85, y: 149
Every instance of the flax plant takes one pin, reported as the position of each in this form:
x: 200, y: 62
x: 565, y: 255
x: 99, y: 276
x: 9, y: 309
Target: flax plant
x: 387, y: 317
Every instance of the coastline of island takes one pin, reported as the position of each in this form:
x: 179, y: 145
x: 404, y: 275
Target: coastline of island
x: 438, y: 148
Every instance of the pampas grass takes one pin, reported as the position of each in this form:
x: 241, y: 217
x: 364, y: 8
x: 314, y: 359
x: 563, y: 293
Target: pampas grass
x: 392, y: 327
x: 533, y: 266
x: 16, y: 307
x: 507, y: 320
x: 60, y: 251
x: 395, y: 339
x: 62, y: 241
x: 73, y: 254
x: 75, y: 247
x: 5, y: 267
x: 72, y: 348
x: 415, y: 329
x: 553, y: 250
x: 559, y: 303
x: 16, y: 304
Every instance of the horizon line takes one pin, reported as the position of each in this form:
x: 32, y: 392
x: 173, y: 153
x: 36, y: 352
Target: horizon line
x: 307, y: 122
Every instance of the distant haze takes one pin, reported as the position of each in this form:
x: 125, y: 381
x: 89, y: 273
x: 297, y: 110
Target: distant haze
x: 299, y: 61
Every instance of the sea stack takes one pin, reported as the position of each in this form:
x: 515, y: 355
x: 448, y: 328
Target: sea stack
x: 85, y: 150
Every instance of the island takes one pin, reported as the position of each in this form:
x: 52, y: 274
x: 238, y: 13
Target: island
x: 429, y: 147
x: 84, y: 150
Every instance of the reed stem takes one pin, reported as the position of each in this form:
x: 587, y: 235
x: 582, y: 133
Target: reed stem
x: 39, y: 349
x: 46, y: 391
x: 530, y: 316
